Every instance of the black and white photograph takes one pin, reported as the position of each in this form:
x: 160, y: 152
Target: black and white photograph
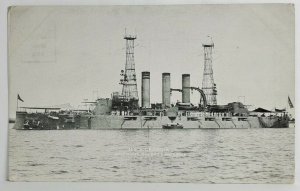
x: 152, y: 93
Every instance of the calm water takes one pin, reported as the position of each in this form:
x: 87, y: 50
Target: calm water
x: 204, y: 156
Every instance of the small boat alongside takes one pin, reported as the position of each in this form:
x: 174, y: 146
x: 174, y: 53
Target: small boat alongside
x: 172, y: 126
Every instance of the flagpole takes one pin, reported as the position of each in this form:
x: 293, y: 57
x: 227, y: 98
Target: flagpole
x: 17, y: 103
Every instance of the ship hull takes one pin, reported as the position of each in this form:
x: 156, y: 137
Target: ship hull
x: 148, y: 122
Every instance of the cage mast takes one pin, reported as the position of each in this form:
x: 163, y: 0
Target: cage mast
x: 129, y: 90
x: 208, y: 85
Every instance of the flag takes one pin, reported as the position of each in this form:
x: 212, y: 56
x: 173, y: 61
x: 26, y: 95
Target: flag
x: 290, y: 102
x: 19, y: 98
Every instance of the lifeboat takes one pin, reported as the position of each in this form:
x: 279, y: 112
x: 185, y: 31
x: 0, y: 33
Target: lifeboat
x: 172, y: 126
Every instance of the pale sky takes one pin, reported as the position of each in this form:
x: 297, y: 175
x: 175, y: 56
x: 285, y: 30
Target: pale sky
x: 64, y: 54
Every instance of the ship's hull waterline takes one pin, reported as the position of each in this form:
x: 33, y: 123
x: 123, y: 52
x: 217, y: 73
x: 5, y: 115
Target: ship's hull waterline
x: 148, y: 122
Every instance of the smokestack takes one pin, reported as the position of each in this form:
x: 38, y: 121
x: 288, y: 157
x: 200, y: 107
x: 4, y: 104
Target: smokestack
x: 146, y: 89
x: 185, y: 88
x: 166, y: 89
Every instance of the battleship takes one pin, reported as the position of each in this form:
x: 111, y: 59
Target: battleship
x: 123, y: 111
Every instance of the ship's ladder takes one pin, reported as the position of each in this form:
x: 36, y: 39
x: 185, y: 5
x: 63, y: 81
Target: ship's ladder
x: 233, y: 123
x: 217, y: 123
